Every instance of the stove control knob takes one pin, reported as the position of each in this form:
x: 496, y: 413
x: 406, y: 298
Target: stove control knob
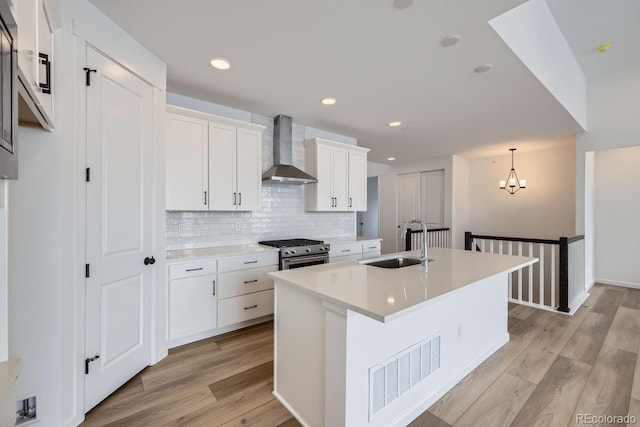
x: 308, y: 249
x: 293, y: 251
x: 287, y: 252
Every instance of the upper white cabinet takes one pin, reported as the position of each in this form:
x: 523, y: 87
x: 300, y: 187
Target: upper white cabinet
x: 36, y: 23
x: 341, y: 170
x: 235, y: 168
x: 212, y: 163
x: 187, y: 164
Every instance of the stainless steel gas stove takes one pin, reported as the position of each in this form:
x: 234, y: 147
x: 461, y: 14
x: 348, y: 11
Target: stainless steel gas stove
x: 296, y: 253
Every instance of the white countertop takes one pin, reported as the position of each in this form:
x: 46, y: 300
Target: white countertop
x: 9, y: 371
x: 348, y: 239
x: 218, y: 251
x: 384, y: 294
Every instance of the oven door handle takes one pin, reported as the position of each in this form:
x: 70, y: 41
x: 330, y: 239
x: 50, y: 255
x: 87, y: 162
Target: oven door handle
x: 302, y: 260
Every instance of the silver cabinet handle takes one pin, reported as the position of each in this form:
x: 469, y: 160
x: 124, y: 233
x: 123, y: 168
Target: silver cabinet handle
x: 251, y: 306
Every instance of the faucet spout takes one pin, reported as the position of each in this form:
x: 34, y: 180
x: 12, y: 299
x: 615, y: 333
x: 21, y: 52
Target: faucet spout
x: 423, y: 253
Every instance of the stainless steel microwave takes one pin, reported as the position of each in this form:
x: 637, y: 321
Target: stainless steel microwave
x: 8, y: 93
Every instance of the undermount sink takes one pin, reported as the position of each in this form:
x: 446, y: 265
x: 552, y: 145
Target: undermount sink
x: 395, y: 262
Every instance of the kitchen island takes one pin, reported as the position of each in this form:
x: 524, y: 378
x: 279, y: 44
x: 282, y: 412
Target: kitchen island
x: 358, y: 345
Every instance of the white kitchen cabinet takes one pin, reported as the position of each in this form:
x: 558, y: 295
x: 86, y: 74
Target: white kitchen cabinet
x: 341, y: 170
x: 35, y: 60
x: 192, y: 298
x: 245, y: 289
x: 187, y: 167
x: 354, y: 250
x: 213, y: 163
x: 235, y: 168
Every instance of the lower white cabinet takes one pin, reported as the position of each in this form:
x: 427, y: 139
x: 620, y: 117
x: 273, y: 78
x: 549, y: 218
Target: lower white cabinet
x: 354, y: 251
x: 192, y: 305
x: 245, y: 307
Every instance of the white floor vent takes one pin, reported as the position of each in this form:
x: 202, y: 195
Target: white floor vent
x: 390, y: 379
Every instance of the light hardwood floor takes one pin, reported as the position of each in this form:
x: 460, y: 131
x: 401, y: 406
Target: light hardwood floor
x: 554, y: 368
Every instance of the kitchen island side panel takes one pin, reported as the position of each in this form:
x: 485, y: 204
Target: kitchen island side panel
x: 319, y: 385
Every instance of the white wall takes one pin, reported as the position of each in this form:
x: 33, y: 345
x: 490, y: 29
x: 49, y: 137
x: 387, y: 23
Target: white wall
x: 616, y: 225
x: 613, y: 102
x: 545, y: 209
x: 4, y: 289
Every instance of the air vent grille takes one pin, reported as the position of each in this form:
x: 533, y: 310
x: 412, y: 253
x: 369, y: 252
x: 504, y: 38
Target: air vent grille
x: 392, y: 378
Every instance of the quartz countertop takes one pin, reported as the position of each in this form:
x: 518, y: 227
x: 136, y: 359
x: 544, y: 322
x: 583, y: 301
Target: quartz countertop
x: 385, y: 294
x: 348, y: 239
x: 9, y: 371
x: 218, y: 251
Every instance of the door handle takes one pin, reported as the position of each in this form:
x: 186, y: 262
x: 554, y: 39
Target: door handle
x: 44, y: 60
x: 148, y: 261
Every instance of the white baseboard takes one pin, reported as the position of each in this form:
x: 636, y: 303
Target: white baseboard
x: 219, y: 331
x: 618, y: 283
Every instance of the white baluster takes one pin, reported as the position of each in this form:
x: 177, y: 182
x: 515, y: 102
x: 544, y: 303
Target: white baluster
x: 530, y: 268
x: 541, y: 268
x: 520, y: 274
x: 553, y: 276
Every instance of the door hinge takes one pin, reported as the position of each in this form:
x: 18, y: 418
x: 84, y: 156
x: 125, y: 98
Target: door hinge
x: 88, y: 72
x: 87, y: 270
x: 88, y: 174
x: 87, y: 361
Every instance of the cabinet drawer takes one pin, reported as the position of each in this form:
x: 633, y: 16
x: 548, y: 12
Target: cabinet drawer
x: 192, y: 269
x: 373, y: 246
x: 244, y: 281
x: 244, y: 307
x: 247, y: 261
x: 343, y: 250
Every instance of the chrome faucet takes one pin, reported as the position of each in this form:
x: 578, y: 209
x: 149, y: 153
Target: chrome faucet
x: 403, y: 235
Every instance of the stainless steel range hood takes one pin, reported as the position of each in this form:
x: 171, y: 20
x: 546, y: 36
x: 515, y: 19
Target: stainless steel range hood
x: 283, y: 172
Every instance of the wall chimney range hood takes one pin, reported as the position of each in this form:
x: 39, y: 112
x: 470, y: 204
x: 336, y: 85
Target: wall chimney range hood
x: 283, y: 172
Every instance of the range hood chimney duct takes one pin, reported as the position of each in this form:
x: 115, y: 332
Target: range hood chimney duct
x: 282, y: 171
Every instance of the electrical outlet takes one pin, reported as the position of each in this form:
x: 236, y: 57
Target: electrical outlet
x: 26, y: 410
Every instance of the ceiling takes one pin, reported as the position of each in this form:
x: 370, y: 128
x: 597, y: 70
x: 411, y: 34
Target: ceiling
x: 380, y: 62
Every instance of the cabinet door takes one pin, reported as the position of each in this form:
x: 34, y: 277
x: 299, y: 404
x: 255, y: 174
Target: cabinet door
x: 324, y: 174
x: 357, y: 181
x: 186, y: 163
x: 340, y: 169
x: 192, y: 306
x: 249, y: 169
x: 27, y: 42
x: 222, y: 167
x: 44, y: 59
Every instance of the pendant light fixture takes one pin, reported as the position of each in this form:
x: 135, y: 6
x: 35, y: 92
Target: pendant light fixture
x: 512, y: 183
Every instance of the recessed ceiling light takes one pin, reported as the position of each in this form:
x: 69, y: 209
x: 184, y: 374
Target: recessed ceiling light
x: 402, y: 4
x: 603, y: 47
x: 220, y: 63
x: 328, y: 101
x: 395, y: 123
x: 450, y: 40
x: 391, y: 159
x: 483, y: 68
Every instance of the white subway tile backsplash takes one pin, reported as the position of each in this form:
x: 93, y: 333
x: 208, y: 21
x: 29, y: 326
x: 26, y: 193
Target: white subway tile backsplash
x: 282, y: 215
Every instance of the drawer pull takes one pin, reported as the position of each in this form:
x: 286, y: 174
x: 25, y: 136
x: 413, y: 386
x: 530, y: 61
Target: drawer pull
x: 373, y: 247
x: 251, y: 262
x: 251, y: 306
x: 194, y: 269
x: 346, y: 250
x: 250, y: 281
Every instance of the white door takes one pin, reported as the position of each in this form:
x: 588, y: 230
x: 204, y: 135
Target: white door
x: 249, y: 169
x: 408, y: 201
x: 222, y: 167
x: 432, y: 196
x: 187, y: 164
x: 119, y: 202
x: 340, y: 168
x: 357, y: 181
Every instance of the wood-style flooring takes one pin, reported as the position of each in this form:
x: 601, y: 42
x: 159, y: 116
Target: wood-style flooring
x: 554, y: 368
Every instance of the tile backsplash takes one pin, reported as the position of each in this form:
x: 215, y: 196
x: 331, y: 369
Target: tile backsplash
x: 282, y: 214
